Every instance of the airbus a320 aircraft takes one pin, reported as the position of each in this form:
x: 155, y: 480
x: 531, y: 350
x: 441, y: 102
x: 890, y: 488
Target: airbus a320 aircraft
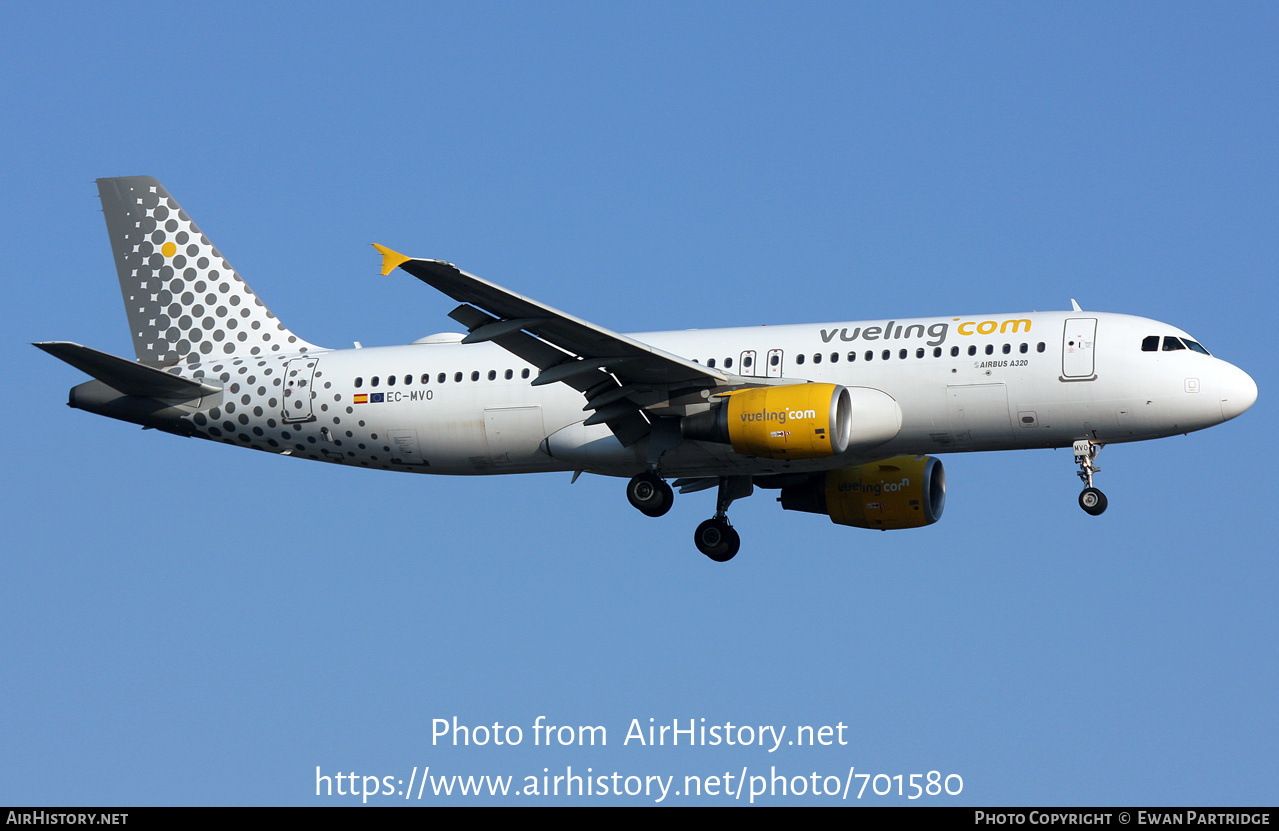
x: 839, y: 416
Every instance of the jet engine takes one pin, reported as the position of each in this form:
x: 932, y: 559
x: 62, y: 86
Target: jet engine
x: 798, y: 421
x: 795, y: 421
x: 901, y: 492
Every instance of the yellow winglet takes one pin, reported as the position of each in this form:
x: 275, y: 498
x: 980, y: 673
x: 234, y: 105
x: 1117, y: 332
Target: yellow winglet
x: 391, y: 260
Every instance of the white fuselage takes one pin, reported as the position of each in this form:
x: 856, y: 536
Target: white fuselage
x: 991, y: 382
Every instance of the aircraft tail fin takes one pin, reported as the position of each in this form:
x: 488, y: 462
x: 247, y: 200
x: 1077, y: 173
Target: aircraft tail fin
x: 185, y: 302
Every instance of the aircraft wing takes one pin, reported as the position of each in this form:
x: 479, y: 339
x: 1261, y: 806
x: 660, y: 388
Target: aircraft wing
x: 615, y: 371
x: 580, y: 340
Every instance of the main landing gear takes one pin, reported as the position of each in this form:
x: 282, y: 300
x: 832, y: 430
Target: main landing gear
x: 715, y: 537
x: 1091, y: 500
x: 650, y: 494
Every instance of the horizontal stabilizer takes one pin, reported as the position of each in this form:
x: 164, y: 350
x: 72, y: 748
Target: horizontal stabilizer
x: 129, y: 377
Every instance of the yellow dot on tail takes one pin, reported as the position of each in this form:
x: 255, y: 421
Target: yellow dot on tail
x: 168, y: 249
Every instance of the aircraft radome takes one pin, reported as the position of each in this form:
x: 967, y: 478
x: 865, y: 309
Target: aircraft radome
x: 839, y: 417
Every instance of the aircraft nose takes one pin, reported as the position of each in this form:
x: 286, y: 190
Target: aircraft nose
x: 1238, y: 392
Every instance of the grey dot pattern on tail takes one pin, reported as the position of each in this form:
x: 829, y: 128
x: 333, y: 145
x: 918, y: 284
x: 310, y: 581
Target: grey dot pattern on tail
x: 185, y: 302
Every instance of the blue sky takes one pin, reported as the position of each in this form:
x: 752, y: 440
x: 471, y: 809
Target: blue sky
x: 187, y: 624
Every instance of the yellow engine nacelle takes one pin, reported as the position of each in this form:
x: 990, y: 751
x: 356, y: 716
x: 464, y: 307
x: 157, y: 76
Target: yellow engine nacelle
x: 901, y: 492
x: 795, y: 421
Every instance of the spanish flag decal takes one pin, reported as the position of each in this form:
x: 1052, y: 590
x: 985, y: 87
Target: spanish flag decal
x: 362, y: 398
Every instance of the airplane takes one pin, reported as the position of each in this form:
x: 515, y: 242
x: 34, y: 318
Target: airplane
x: 840, y: 418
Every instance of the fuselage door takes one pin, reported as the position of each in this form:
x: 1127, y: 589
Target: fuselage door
x: 979, y: 416
x: 297, y: 389
x: 774, y: 363
x: 1077, y: 343
x: 514, y: 434
x: 747, y: 365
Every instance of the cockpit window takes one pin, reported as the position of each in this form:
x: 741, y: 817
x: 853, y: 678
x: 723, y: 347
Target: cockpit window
x: 1171, y: 344
x: 1194, y: 346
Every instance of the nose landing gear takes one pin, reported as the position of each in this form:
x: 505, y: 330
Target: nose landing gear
x: 1091, y: 500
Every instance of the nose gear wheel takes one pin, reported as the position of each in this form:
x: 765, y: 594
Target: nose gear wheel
x: 1092, y: 501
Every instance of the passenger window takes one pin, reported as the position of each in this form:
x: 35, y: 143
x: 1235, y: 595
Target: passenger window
x: 441, y: 378
x: 373, y: 383
x: 852, y: 356
x: 492, y: 374
x: 1008, y: 347
x: 728, y: 363
x: 886, y: 354
x: 1040, y: 347
x: 919, y: 353
x: 475, y: 375
x: 390, y: 380
x: 870, y: 356
x: 1172, y: 344
x: 457, y: 377
x: 834, y: 357
x: 1024, y: 348
x: 990, y: 349
x: 524, y: 373
x: 509, y: 375
x: 773, y: 360
x: 937, y: 352
x: 408, y: 380
x: 799, y: 359
x: 902, y: 354
x: 711, y: 363
x: 817, y: 359
x: 972, y: 350
x: 954, y: 352
x: 359, y: 382
x: 426, y: 377
x: 746, y: 362
x: 1150, y: 344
